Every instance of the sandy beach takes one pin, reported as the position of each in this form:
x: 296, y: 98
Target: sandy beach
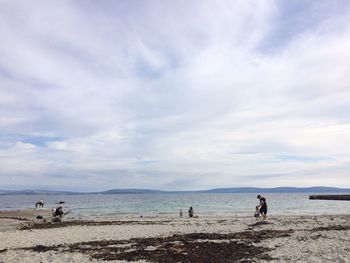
x: 169, y: 239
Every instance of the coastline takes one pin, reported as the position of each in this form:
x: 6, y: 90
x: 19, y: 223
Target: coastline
x: 302, y: 238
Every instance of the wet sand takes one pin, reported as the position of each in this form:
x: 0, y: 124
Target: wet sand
x: 10, y: 220
x: 26, y: 214
x: 205, y: 239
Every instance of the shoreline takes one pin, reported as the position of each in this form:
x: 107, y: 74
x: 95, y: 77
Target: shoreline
x: 289, y: 238
x: 31, y: 213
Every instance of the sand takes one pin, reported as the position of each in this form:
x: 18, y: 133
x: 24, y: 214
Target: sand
x: 206, y: 239
x: 10, y: 220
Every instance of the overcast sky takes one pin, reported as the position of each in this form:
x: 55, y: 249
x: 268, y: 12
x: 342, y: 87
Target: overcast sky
x: 174, y: 95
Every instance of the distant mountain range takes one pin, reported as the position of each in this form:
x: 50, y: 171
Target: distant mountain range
x: 36, y: 192
x: 318, y: 189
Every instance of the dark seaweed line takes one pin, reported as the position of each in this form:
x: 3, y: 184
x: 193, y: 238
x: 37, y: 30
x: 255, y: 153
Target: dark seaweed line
x: 90, y: 223
x: 187, y: 248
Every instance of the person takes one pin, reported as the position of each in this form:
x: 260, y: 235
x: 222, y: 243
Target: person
x: 262, y: 206
x: 257, y: 212
x: 57, y: 211
x: 39, y: 203
x: 181, y: 213
x: 191, y: 212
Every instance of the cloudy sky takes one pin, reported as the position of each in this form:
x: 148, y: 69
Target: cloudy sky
x: 174, y: 95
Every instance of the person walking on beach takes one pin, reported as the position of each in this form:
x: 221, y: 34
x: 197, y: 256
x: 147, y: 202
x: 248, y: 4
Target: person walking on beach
x: 191, y: 212
x: 262, y: 206
x: 181, y: 213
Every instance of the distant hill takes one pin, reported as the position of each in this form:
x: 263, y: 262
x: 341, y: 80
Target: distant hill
x: 131, y: 191
x: 318, y: 189
x: 36, y: 192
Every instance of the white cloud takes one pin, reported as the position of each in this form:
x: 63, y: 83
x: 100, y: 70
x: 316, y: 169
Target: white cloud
x: 172, y: 95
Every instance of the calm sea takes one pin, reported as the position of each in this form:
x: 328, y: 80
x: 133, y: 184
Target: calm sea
x: 135, y: 205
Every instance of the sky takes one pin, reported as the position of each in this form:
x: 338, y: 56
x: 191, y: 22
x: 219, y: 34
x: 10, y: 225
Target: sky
x: 174, y: 95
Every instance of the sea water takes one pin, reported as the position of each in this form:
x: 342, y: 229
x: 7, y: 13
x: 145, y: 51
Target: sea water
x: 158, y: 205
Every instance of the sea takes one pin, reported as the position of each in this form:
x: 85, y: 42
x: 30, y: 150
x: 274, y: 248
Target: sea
x: 168, y: 205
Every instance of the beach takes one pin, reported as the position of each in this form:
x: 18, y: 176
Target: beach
x: 302, y: 238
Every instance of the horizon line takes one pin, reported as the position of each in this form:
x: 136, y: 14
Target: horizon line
x: 170, y: 191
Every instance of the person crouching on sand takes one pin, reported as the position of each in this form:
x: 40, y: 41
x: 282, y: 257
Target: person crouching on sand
x: 191, y: 212
x: 57, y: 211
x: 262, y: 206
